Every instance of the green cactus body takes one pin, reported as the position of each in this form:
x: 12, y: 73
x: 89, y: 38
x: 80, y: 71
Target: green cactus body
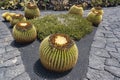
x: 95, y: 16
x: 4, y: 15
x: 57, y: 57
x: 95, y: 19
x: 31, y: 11
x: 24, y: 32
x: 17, y: 18
x: 76, y: 10
x: 8, y: 16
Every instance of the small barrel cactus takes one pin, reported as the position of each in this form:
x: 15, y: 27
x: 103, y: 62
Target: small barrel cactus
x: 31, y: 11
x: 24, y: 32
x: 4, y: 15
x: 95, y: 15
x: 17, y: 18
x: 8, y: 16
x: 76, y: 9
x: 58, y: 52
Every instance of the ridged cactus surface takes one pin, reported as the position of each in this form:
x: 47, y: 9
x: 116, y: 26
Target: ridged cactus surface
x: 76, y: 10
x: 58, y: 53
x: 17, y: 18
x: 24, y: 32
x: 95, y: 16
x: 31, y: 11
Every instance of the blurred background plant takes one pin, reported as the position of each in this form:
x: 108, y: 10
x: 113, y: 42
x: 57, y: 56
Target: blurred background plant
x: 57, y: 4
x: 15, y: 4
x: 23, y: 3
x: 9, y: 4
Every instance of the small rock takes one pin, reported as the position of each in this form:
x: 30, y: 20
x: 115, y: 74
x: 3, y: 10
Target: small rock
x: 2, y: 50
x: 113, y: 70
x: 10, y: 48
x: 117, y: 44
x: 116, y: 78
x: 113, y: 40
x: 12, y: 62
x: 12, y: 72
x: 99, y: 75
x: 110, y: 44
x: 112, y: 62
x: 115, y: 55
x: 112, y: 49
x: 100, y: 52
x: 118, y: 50
x: 98, y: 44
x: 96, y: 62
x: 101, y: 39
x: 109, y: 35
x: 23, y: 76
x: 11, y: 54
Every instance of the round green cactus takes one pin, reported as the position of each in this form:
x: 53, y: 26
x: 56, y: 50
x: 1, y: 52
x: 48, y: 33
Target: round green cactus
x: 31, y: 11
x: 24, y: 32
x: 76, y: 9
x: 17, y: 18
x: 58, y: 52
x: 95, y: 15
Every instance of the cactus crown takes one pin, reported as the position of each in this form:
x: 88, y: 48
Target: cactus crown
x: 98, y: 8
x: 23, y: 26
x: 60, y: 41
x: 18, y: 16
x: 31, y: 5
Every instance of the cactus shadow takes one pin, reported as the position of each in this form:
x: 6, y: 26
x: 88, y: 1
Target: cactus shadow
x: 8, y: 25
x: 44, y: 73
x: 19, y: 45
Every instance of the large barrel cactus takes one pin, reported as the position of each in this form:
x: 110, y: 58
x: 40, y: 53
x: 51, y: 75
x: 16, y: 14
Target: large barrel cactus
x: 76, y: 9
x: 24, y: 32
x: 17, y: 18
x: 31, y: 11
x: 95, y: 15
x: 58, y: 52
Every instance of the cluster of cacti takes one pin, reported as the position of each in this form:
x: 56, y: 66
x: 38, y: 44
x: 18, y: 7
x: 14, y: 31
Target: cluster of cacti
x: 8, y: 16
x: 76, y: 9
x: 58, y: 52
x: 95, y: 15
x: 17, y: 18
x: 31, y: 11
x: 24, y: 32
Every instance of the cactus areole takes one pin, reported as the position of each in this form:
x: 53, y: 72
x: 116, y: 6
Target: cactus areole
x: 58, y: 52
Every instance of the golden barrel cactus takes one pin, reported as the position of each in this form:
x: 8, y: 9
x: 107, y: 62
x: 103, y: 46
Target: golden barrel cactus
x: 31, y: 11
x: 4, y: 15
x: 95, y: 15
x: 76, y: 9
x: 58, y: 52
x: 17, y: 18
x: 24, y: 32
x: 8, y: 16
